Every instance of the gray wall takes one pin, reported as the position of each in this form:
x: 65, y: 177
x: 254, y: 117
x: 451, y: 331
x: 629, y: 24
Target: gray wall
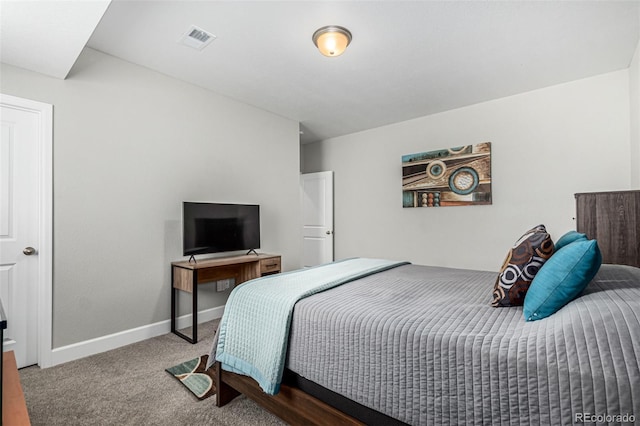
x: 129, y: 146
x: 634, y: 95
x: 546, y: 145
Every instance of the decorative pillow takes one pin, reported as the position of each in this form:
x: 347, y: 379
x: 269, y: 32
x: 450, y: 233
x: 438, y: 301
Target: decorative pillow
x: 522, y: 263
x: 568, y: 238
x: 562, y: 279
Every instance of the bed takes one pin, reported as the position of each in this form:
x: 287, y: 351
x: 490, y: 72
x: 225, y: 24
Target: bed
x: 423, y: 345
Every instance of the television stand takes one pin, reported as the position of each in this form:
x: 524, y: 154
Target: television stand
x: 252, y: 250
x: 185, y: 276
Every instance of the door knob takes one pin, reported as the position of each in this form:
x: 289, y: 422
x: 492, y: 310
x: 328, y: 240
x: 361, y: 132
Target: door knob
x: 329, y: 232
x: 29, y: 251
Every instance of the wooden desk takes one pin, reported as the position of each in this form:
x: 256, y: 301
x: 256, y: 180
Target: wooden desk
x: 14, y: 407
x: 186, y: 276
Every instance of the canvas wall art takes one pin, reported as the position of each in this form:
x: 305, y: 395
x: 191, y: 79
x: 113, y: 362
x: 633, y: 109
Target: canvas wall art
x: 459, y: 176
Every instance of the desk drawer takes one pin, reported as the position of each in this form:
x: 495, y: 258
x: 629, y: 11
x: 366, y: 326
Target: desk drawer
x: 270, y: 266
x: 221, y: 273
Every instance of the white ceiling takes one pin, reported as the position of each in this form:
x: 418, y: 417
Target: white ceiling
x: 407, y: 58
x: 47, y: 36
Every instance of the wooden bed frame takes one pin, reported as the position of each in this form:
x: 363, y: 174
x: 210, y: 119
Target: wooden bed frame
x: 618, y: 214
x: 291, y: 404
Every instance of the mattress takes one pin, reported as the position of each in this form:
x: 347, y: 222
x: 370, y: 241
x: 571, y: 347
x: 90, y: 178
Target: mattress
x: 423, y: 345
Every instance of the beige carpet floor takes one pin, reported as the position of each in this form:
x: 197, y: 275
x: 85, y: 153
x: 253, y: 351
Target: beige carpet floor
x: 128, y: 386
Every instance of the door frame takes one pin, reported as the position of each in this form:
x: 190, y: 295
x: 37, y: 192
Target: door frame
x: 45, y: 220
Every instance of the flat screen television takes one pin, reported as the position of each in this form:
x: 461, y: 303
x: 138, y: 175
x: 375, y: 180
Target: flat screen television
x: 217, y: 228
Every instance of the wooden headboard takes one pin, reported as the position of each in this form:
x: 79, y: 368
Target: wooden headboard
x: 613, y: 219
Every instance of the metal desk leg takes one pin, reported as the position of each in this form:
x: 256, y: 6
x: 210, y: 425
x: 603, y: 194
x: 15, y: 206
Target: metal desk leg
x: 194, y: 309
x: 174, y: 302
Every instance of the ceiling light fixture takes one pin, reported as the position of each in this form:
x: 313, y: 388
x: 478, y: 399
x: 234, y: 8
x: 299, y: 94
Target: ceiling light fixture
x: 331, y: 40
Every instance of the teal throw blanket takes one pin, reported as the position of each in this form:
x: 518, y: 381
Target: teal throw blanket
x: 254, y: 330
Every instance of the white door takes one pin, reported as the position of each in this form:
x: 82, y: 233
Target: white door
x: 317, y: 218
x: 20, y: 132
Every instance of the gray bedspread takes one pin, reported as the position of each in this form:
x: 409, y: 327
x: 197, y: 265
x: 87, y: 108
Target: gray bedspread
x: 423, y: 345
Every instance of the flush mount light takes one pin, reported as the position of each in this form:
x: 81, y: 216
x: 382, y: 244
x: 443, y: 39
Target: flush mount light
x: 331, y: 40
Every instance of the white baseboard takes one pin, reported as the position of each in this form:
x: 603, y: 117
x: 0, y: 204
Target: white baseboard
x: 127, y: 337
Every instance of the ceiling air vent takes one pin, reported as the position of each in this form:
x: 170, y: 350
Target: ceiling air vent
x: 196, y: 38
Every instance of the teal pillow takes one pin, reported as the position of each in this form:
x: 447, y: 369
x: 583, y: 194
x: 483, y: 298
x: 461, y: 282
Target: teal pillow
x: 562, y: 278
x: 568, y: 238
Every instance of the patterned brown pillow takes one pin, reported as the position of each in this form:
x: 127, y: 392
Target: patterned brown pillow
x: 523, y: 261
